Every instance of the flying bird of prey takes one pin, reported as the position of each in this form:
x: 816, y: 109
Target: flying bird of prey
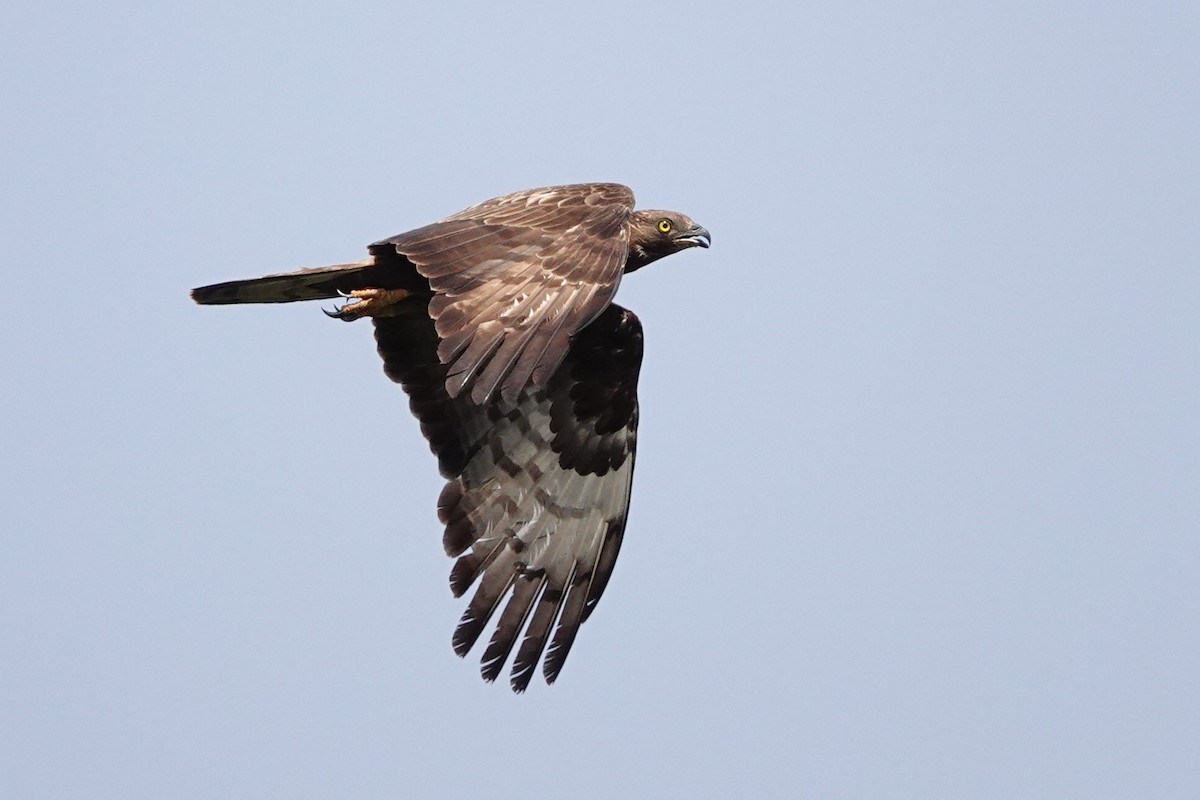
x: 498, y: 322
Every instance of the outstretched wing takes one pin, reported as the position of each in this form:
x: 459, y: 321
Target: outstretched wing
x: 538, y: 486
x: 515, y: 277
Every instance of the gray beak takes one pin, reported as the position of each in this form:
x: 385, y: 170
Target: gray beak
x: 696, y: 237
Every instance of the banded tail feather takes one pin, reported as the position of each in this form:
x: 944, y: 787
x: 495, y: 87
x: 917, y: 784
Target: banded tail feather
x: 314, y: 283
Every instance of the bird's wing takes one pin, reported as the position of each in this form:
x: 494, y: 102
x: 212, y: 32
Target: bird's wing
x: 538, y: 488
x: 515, y: 277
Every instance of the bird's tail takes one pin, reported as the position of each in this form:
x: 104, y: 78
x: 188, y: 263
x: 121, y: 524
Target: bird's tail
x: 316, y: 283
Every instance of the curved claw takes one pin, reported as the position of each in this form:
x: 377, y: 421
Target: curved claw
x: 336, y: 313
x: 344, y: 294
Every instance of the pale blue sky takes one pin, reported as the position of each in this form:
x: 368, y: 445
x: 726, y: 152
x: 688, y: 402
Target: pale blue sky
x: 917, y: 510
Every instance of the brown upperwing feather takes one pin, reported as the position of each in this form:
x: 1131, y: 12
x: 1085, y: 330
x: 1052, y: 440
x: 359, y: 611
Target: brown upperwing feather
x: 515, y: 277
x: 523, y: 375
x: 538, y: 488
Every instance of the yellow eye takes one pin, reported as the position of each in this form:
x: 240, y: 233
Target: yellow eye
x: 664, y: 225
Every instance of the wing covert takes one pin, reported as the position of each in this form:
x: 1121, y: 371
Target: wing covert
x: 515, y: 278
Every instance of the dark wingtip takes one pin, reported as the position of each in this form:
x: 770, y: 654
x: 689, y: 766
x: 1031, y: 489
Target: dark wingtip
x: 519, y: 680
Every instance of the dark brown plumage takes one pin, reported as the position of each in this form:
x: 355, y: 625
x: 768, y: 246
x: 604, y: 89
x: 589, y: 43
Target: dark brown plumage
x: 498, y: 323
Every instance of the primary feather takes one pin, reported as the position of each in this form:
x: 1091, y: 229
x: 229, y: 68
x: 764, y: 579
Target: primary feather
x: 498, y: 323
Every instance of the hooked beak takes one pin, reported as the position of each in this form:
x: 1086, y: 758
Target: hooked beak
x: 697, y: 236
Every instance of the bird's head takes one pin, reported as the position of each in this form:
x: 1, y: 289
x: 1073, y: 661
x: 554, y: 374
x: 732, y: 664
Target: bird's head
x: 654, y: 234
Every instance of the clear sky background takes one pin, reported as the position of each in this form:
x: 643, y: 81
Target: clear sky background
x: 917, y: 510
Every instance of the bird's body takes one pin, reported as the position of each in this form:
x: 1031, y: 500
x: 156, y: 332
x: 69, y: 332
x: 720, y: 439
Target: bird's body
x: 499, y: 324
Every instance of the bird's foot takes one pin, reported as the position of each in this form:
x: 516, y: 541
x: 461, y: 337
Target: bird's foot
x: 368, y: 303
